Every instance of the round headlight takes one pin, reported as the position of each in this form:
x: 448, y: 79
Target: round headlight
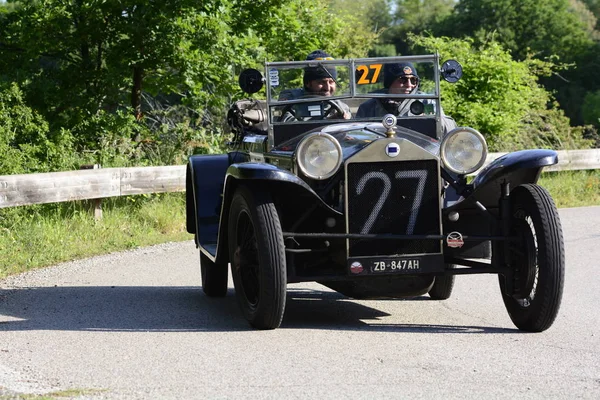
x: 319, y: 155
x: 463, y: 150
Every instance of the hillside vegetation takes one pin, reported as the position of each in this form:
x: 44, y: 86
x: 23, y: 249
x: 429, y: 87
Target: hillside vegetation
x: 139, y: 83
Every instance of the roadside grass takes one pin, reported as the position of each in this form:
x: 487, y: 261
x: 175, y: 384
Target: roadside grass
x: 38, y: 236
x: 573, y: 188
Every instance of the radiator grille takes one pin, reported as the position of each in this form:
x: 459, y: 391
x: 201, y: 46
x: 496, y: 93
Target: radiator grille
x: 399, y: 198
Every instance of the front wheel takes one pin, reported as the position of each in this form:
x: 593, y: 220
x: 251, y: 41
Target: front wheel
x: 537, y: 259
x: 257, y: 255
x: 442, y: 286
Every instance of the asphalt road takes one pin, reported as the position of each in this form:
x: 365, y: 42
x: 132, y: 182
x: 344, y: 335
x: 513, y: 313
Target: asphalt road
x: 136, y: 325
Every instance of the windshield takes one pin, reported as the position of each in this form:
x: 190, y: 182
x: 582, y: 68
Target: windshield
x: 353, y: 89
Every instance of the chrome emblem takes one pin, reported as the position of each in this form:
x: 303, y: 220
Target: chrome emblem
x: 392, y: 149
x: 389, y: 121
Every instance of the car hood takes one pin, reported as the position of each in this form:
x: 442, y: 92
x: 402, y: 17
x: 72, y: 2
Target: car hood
x: 355, y: 136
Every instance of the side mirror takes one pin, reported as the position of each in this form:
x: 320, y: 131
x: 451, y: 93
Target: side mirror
x: 251, y: 80
x: 451, y: 71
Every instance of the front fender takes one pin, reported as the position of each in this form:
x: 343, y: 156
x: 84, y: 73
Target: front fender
x: 204, y: 185
x: 516, y: 168
x: 292, y: 193
x: 515, y: 162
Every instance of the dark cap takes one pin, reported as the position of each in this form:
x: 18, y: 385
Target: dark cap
x: 318, y: 55
x: 391, y: 72
x: 312, y: 73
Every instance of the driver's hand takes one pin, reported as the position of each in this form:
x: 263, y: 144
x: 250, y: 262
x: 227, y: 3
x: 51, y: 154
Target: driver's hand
x: 337, y: 115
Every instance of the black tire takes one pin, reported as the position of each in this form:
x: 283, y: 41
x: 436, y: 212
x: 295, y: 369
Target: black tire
x: 257, y: 256
x: 214, y: 277
x: 442, y: 286
x: 538, y: 257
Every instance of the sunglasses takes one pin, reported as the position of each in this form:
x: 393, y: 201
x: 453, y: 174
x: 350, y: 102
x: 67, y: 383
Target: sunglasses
x: 404, y: 80
x: 323, y: 58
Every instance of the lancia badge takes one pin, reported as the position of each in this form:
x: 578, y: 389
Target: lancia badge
x: 392, y: 149
x: 455, y: 240
x: 356, y: 267
x: 389, y: 122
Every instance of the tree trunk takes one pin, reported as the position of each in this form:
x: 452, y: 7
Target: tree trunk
x: 136, y: 92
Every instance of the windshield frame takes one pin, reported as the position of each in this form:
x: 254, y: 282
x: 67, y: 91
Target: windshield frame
x: 351, y: 64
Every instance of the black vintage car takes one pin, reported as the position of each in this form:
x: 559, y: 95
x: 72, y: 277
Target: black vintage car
x: 370, y: 205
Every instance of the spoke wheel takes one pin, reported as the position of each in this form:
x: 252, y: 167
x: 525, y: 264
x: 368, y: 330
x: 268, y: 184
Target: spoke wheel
x: 537, y: 258
x: 257, y: 256
x: 214, y: 277
x: 442, y: 286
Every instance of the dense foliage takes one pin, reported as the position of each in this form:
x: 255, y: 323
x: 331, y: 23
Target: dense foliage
x: 502, y: 97
x: 26, y: 143
x: 561, y: 31
x: 138, y: 82
x: 143, y: 82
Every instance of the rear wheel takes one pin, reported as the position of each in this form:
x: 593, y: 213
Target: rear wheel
x: 442, y: 286
x: 257, y: 256
x: 214, y: 277
x: 538, y: 260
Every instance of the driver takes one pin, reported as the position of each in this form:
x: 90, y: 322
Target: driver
x: 399, y: 78
x: 318, y: 81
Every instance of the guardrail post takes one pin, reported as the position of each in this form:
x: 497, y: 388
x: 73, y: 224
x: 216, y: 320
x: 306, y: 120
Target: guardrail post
x: 96, y: 203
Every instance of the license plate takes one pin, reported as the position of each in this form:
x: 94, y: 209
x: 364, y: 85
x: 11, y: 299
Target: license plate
x: 399, y: 265
x: 389, y: 265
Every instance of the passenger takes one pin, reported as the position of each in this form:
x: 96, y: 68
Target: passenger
x: 399, y: 78
x: 318, y: 81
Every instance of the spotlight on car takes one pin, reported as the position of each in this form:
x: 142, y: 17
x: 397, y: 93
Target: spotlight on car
x: 463, y: 150
x: 319, y: 155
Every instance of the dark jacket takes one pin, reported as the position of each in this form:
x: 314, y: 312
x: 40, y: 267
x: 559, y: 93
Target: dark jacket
x: 380, y: 107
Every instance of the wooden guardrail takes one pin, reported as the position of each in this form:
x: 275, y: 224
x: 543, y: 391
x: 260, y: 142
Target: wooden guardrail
x: 54, y: 187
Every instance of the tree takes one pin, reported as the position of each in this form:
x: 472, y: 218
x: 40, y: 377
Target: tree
x: 586, y: 16
x: 542, y: 28
x: 298, y: 27
x: 501, y: 97
x: 594, y: 7
x: 591, y: 108
x: 372, y: 15
x: 81, y: 64
x: 417, y: 17
x: 6, y: 7
x: 94, y: 50
x: 26, y: 143
x: 557, y: 30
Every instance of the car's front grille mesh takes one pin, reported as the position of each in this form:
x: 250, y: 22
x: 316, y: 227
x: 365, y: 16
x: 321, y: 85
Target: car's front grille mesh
x: 399, y: 198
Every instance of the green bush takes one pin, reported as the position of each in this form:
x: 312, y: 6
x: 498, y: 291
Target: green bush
x: 111, y: 139
x: 26, y: 143
x: 501, y: 97
x: 591, y: 108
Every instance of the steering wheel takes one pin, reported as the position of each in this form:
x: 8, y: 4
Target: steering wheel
x: 289, y: 110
